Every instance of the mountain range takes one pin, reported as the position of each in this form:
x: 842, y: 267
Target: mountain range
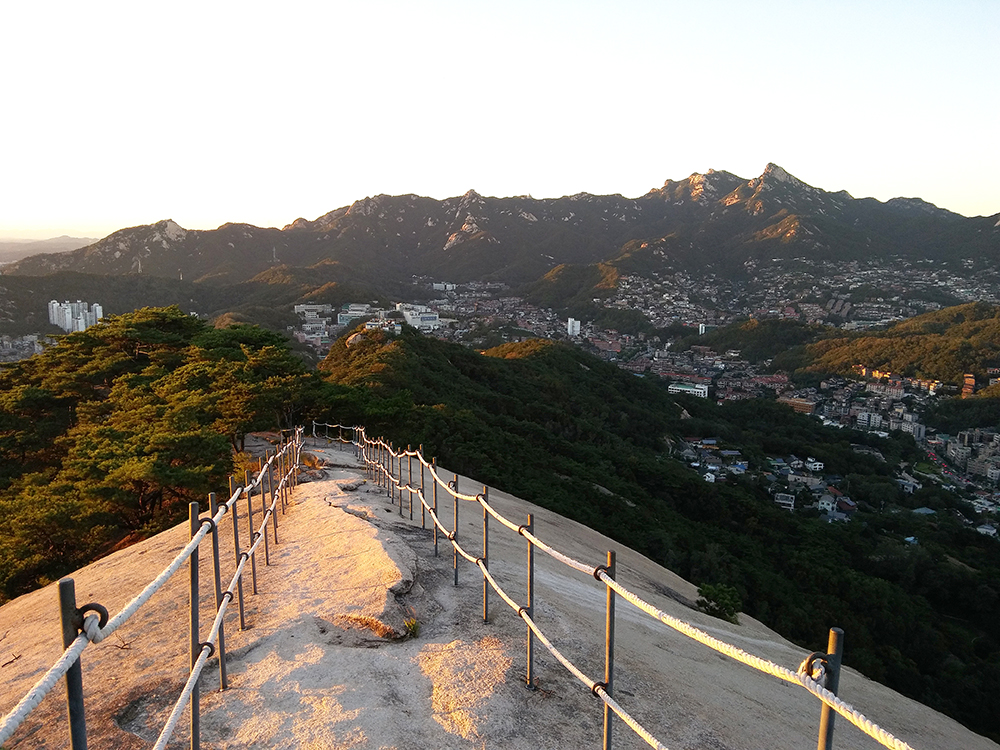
x: 11, y: 250
x: 715, y: 221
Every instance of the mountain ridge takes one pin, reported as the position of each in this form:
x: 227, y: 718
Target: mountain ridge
x: 715, y: 217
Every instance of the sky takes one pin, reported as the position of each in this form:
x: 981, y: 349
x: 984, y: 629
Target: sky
x: 116, y: 114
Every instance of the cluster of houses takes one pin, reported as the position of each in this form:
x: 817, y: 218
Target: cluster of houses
x: 318, y: 328
x: 713, y: 463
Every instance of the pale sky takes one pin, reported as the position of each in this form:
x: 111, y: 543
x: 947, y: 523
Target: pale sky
x: 125, y: 113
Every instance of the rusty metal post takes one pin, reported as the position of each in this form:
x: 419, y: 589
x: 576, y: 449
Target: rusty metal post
x: 213, y: 506
x: 263, y: 510
x: 609, y: 650
x: 834, y: 657
x: 435, y: 502
x: 195, y: 638
x: 236, y: 543
x: 486, y: 554
x: 74, y: 676
x: 423, y: 496
x: 454, y: 533
x: 409, y: 477
x: 530, y: 609
x: 253, y: 534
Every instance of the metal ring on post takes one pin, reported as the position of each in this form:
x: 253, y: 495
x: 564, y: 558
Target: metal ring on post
x: 597, y: 572
x: 522, y: 528
x: 210, y: 522
x: 229, y: 594
x: 806, y: 667
x: 244, y: 555
x: 602, y: 685
x: 101, y: 611
x: 211, y: 648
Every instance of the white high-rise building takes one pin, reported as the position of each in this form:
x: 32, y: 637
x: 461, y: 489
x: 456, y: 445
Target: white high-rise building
x: 74, y: 316
x: 573, y: 327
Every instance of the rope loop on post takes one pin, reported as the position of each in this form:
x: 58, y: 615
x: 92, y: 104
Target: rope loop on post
x: 229, y: 594
x: 81, y: 612
x: 814, y: 667
x: 211, y: 648
x: 90, y: 625
x: 210, y: 522
x: 602, y: 569
x: 602, y: 685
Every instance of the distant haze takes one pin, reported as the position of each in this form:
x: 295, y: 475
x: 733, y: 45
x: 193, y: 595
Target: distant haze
x: 209, y: 114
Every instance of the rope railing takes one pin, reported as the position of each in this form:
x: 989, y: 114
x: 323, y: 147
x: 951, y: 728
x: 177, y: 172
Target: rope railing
x: 81, y: 627
x: 380, y: 456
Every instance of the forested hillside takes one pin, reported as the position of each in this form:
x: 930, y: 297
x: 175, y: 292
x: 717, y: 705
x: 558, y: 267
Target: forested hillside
x: 105, y: 437
x: 108, y: 435
x: 941, y: 345
x: 924, y: 619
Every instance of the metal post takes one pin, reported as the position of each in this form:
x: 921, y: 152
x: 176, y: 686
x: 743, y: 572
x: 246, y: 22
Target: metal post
x: 263, y: 511
x: 486, y: 554
x: 195, y: 645
x: 399, y: 471
x: 284, y: 476
x: 236, y: 543
x: 434, y: 462
x: 423, y: 497
x: 213, y: 505
x: 834, y: 657
x: 409, y: 477
x: 275, y: 496
x: 530, y: 609
x: 74, y: 677
x: 455, y: 531
x: 253, y: 537
x: 609, y: 651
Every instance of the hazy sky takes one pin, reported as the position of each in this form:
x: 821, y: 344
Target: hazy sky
x: 118, y: 114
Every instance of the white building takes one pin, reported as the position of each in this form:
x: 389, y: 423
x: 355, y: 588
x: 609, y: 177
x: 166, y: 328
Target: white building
x: 420, y: 317
x: 785, y: 500
x: 74, y: 316
x: 573, y: 327
x: 352, y: 312
x: 701, y: 391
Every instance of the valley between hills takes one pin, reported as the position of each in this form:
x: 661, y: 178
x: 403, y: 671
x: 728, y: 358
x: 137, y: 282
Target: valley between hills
x: 760, y: 291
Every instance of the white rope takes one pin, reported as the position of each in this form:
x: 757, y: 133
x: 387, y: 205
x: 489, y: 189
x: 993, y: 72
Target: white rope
x: 57, y: 671
x: 555, y: 652
x: 175, y: 715
x: 489, y: 509
x: 634, y: 725
x: 496, y: 587
x: 763, y: 665
x: 554, y: 553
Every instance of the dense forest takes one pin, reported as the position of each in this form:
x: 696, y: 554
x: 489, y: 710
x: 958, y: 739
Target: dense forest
x: 923, y: 618
x: 106, y: 436
x: 941, y: 345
